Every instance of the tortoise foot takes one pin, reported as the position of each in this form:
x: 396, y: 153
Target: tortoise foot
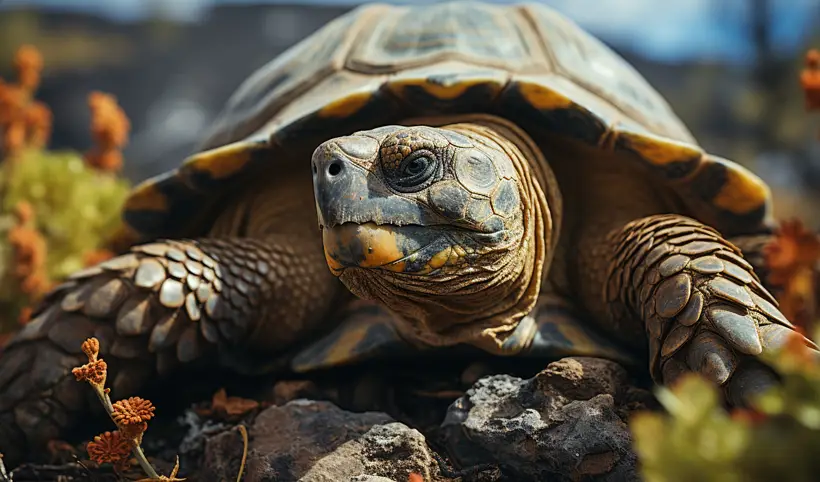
x: 704, y: 307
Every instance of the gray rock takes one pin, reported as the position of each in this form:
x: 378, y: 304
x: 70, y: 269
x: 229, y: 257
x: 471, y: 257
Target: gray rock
x: 562, y: 424
x: 318, y: 442
x: 392, y: 450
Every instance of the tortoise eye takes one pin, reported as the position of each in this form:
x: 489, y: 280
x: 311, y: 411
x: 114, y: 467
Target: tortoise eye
x: 415, y: 171
x: 416, y: 166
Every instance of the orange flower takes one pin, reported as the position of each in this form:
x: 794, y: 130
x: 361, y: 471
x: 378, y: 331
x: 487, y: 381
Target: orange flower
x: 414, y: 477
x: 91, y: 348
x: 93, y: 372
x: 810, y: 80
x: 109, y: 447
x: 791, y: 258
x: 109, y: 128
x: 12, y: 102
x: 132, y: 415
x: 29, y: 249
x: 29, y: 63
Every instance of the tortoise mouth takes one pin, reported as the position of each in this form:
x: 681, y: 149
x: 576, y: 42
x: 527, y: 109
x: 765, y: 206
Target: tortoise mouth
x: 389, y: 247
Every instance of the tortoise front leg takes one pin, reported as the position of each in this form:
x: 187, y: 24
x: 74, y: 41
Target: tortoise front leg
x: 703, y: 306
x: 160, y: 307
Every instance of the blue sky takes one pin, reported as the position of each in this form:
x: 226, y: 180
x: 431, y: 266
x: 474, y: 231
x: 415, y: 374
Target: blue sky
x: 667, y: 30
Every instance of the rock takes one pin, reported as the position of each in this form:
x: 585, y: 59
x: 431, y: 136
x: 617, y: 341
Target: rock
x: 393, y: 450
x: 561, y: 425
x: 314, y: 441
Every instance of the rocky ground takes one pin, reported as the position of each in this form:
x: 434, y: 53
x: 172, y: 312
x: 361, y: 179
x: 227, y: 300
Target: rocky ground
x: 566, y: 423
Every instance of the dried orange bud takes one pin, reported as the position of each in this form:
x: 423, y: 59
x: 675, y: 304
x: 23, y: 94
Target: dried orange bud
x: 12, y: 101
x: 91, y: 348
x: 109, y: 447
x: 92, y: 372
x: 414, y: 477
x: 132, y: 414
x: 810, y: 80
x: 29, y: 63
x: 109, y: 128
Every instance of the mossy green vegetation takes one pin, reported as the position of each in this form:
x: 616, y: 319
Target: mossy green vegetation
x: 76, y: 209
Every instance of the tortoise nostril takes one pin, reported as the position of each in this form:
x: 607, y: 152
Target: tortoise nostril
x: 335, y: 168
x: 315, y: 169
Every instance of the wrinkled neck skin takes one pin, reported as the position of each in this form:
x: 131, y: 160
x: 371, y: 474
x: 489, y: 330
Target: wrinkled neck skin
x: 480, y: 299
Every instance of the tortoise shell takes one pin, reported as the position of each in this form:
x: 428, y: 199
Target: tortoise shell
x: 379, y: 64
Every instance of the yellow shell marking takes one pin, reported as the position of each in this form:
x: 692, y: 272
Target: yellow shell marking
x: 146, y: 197
x: 743, y: 192
x: 543, y: 98
x: 346, y: 106
x: 440, y: 91
x: 345, y: 345
x: 660, y: 153
x: 223, y: 161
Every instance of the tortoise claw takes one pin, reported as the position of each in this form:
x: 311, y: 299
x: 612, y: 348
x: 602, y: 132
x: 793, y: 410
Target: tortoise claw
x: 709, y: 355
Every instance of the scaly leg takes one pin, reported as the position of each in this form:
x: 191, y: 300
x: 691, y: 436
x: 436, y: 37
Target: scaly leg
x: 703, y: 306
x: 157, y: 308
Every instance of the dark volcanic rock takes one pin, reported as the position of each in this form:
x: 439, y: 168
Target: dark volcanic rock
x: 562, y: 424
x: 317, y: 442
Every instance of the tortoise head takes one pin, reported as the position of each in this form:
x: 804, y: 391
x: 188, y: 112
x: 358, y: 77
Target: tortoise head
x: 438, y: 224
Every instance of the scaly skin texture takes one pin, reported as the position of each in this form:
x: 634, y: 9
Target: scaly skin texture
x: 703, y: 306
x: 247, y: 292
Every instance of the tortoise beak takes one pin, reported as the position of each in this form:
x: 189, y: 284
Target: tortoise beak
x: 371, y: 246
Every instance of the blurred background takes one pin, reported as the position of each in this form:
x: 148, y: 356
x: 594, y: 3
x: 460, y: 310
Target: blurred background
x: 730, y: 68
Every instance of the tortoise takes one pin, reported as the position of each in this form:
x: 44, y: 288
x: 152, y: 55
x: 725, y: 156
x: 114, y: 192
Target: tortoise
x: 420, y: 178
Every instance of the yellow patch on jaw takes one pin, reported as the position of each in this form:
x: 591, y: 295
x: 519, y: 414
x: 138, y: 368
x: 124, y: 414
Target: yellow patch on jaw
x: 335, y: 267
x: 379, y: 244
x: 440, y: 258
